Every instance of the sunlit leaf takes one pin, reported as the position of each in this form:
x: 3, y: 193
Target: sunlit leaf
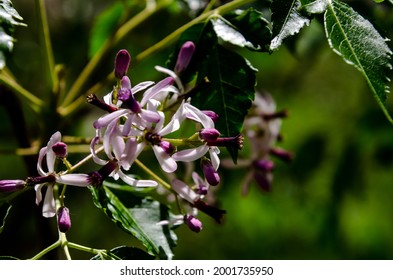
x: 9, y: 18
x: 253, y: 26
x: 138, y: 217
x: 124, y: 253
x: 359, y: 43
x: 286, y: 21
x: 313, y: 6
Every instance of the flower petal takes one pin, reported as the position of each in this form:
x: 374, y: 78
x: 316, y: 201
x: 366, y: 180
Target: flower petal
x: 141, y: 86
x: 173, y: 75
x: 150, y: 116
x: 48, y: 208
x: 79, y: 180
x: 136, y: 183
x: 214, y: 151
x: 41, y: 155
x: 195, y: 114
x: 96, y: 159
x: 188, y: 155
x: 38, y: 193
x: 184, y: 191
x: 105, y: 120
x: 151, y: 92
x: 167, y: 163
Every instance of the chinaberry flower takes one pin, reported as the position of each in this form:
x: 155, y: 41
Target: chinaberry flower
x: 195, y: 200
x: 49, y: 178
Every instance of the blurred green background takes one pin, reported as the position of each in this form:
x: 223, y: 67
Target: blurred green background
x: 333, y: 201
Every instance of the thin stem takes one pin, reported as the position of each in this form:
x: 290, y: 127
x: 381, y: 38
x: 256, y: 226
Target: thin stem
x: 34, y: 102
x: 107, y: 46
x: 45, y: 37
x: 83, y: 161
x: 84, y: 248
x: 152, y: 174
x: 64, y: 245
x: 47, y: 250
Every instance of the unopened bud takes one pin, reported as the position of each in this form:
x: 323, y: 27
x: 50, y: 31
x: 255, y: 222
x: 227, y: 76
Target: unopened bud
x: 122, y: 62
x: 63, y: 219
x: 264, y: 165
x: 211, y: 114
x: 209, y: 134
x: 167, y: 147
x: 210, y: 172
x: 184, y: 57
x: 60, y: 149
x: 281, y: 154
x: 193, y: 223
x: 11, y: 185
x: 263, y: 181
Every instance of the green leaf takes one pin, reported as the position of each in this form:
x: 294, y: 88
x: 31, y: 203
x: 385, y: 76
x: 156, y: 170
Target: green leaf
x: 231, y: 90
x: 124, y: 253
x: 313, y: 6
x: 105, y: 26
x: 4, y: 210
x: 286, y: 20
x: 232, y: 79
x: 359, y: 43
x: 9, y: 18
x: 138, y: 217
x: 253, y: 26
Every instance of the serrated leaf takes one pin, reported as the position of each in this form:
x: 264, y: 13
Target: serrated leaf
x: 104, y: 27
x: 4, y: 210
x: 9, y: 18
x: 138, y: 217
x: 231, y: 90
x: 253, y: 26
x: 124, y: 253
x: 313, y: 6
x: 228, y: 33
x: 357, y: 41
x: 286, y: 21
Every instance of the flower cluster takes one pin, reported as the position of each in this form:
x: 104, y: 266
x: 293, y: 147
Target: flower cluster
x: 262, y: 129
x: 136, y: 119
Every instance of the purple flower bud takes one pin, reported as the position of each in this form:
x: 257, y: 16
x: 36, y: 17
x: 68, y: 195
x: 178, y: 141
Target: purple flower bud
x: 60, y: 149
x: 122, y: 62
x: 97, y: 177
x: 167, y: 147
x: 184, y: 57
x: 281, y: 154
x: 210, y: 172
x: 11, y: 185
x: 209, y: 134
x: 193, y: 223
x: 211, y: 114
x: 264, y: 165
x: 263, y: 181
x: 63, y: 219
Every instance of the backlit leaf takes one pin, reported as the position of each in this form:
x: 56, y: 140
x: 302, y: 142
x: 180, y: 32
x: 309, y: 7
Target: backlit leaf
x: 9, y: 18
x: 286, y: 20
x: 359, y: 43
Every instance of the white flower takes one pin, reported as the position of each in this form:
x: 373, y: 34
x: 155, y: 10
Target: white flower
x: 49, y: 178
